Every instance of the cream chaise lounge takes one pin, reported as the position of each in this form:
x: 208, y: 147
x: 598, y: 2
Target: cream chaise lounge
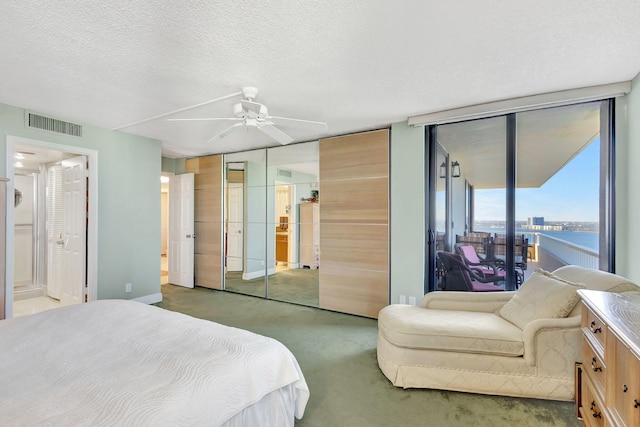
x: 522, y: 343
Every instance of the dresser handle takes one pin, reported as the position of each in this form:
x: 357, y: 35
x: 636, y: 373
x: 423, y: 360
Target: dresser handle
x: 594, y: 367
x: 636, y: 404
x: 594, y: 329
x: 593, y: 409
x: 624, y: 388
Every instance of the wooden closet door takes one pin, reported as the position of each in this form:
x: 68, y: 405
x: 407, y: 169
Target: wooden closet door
x: 207, y: 220
x: 354, y: 223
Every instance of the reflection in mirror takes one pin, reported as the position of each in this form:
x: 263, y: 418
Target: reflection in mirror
x: 293, y: 250
x: 245, y: 222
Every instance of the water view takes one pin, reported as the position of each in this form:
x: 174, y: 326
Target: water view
x: 585, y: 239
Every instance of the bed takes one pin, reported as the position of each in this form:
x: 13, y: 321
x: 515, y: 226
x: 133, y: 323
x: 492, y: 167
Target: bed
x: 116, y: 362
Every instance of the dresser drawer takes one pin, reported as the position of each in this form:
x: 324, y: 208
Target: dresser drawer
x: 594, y: 367
x: 591, y: 411
x: 594, y: 330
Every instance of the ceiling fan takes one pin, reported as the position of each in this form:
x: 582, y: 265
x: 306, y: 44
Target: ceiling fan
x: 251, y: 114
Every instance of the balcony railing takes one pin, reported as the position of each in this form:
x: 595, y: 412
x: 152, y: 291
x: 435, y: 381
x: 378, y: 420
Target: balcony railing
x: 568, y: 252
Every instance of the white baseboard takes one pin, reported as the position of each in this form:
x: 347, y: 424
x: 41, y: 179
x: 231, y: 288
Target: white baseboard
x: 150, y: 299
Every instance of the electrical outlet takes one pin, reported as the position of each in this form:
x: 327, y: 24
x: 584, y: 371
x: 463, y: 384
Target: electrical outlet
x: 403, y: 299
x: 412, y: 300
x: 128, y: 287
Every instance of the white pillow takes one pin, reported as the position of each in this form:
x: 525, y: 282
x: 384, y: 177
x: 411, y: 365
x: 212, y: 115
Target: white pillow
x: 542, y: 295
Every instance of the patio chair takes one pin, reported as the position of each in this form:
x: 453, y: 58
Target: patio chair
x: 459, y: 277
x: 489, y: 268
x: 478, y: 239
x: 499, y: 251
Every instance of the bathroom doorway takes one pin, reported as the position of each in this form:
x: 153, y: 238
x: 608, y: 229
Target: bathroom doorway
x: 49, y: 222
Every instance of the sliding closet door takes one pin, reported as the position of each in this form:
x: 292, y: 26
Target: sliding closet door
x: 208, y: 220
x: 246, y: 223
x: 354, y: 223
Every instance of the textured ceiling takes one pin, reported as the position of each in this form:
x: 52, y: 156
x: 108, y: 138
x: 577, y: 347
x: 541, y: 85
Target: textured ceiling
x: 357, y: 65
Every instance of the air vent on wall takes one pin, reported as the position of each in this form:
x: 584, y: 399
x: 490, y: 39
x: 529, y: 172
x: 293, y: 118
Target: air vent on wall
x: 53, y: 125
x: 284, y: 173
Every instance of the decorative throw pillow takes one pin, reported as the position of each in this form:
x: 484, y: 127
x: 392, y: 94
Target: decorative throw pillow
x: 542, y: 295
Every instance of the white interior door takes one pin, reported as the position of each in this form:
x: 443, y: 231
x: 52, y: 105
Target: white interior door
x: 74, y: 229
x: 235, y: 219
x: 181, y: 231
x: 54, y: 231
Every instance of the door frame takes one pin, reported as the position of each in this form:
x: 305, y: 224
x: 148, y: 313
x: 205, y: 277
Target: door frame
x: 92, y: 218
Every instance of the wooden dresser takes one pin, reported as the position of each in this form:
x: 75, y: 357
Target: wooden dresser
x: 611, y: 359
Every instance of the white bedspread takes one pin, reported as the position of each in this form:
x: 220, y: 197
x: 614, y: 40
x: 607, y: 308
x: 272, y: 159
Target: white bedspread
x: 115, y: 362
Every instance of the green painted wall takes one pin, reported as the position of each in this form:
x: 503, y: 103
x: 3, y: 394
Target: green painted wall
x: 169, y: 165
x: 407, y: 211
x: 128, y: 202
x: 627, y: 183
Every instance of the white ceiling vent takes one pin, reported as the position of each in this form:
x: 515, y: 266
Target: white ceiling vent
x: 53, y: 125
x: 284, y: 173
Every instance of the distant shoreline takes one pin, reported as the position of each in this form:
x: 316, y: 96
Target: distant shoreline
x: 587, y: 239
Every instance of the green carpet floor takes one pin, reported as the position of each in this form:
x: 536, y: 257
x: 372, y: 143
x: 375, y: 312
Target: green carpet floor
x: 299, y: 285
x: 337, y: 354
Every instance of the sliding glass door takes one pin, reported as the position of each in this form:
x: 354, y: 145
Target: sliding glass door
x: 559, y: 158
x: 473, y: 172
x: 527, y: 190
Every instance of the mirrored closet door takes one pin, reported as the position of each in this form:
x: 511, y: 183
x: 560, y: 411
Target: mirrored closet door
x: 293, y: 212
x: 245, y: 223
x: 271, y: 223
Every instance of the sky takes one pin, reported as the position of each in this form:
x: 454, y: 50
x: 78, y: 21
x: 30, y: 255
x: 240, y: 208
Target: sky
x: 570, y: 195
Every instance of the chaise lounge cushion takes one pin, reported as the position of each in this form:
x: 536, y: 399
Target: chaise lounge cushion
x: 542, y: 295
x: 457, y: 341
x: 450, y: 330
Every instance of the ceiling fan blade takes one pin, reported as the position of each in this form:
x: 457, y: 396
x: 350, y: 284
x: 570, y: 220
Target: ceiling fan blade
x: 225, y: 132
x: 206, y: 119
x: 275, y: 133
x: 178, y: 111
x: 307, y: 124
